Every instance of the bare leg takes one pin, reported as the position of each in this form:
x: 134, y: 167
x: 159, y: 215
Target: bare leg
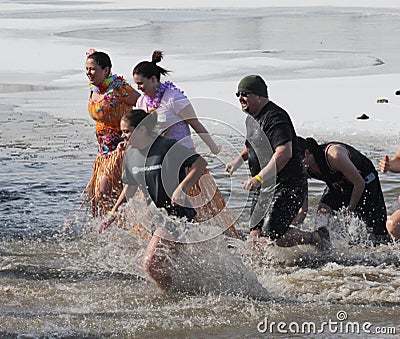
x: 104, y: 193
x: 295, y: 236
x: 255, y: 233
x: 393, y: 224
x: 104, y: 189
x: 156, y: 260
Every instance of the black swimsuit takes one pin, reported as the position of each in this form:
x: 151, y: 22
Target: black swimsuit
x: 371, y: 207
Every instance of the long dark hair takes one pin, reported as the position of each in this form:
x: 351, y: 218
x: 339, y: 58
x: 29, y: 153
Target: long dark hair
x: 148, y: 69
x: 101, y: 58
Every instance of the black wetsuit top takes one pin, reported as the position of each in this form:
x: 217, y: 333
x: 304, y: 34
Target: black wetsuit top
x: 158, y: 170
x: 360, y: 161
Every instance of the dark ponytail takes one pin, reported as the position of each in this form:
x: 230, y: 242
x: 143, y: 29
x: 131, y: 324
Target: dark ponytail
x: 157, y: 57
x: 148, y: 69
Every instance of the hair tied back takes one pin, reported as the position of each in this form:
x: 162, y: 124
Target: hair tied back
x: 156, y: 57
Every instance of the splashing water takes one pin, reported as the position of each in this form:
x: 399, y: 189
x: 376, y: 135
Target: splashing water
x: 201, y: 266
x: 58, y: 276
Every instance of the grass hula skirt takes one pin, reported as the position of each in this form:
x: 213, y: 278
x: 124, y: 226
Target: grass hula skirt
x: 107, y: 172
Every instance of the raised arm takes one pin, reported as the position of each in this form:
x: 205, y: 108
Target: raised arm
x: 133, y: 97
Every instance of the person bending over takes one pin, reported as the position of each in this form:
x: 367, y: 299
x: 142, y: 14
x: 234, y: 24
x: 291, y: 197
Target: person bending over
x: 352, y: 183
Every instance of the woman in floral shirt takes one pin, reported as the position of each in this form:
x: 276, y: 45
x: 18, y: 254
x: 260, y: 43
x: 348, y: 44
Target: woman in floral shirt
x: 111, y: 97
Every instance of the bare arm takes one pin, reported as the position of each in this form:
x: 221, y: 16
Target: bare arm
x: 392, y: 165
x: 301, y: 215
x: 339, y: 159
x: 281, y: 157
x: 278, y: 161
x: 132, y: 98
x: 195, y: 171
x: 189, y: 115
x: 232, y: 166
x: 128, y: 191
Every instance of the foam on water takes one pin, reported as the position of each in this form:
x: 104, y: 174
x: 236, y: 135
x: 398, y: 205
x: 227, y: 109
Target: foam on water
x: 81, y: 283
x: 204, y: 263
x: 58, y: 277
x: 223, y: 266
x: 232, y: 267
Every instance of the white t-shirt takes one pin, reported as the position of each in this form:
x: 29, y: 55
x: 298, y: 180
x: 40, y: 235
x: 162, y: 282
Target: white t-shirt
x: 169, y: 121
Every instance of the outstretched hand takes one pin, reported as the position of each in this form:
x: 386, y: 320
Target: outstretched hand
x: 384, y: 164
x: 178, y: 197
x: 106, y: 223
x: 251, y: 184
x: 232, y: 166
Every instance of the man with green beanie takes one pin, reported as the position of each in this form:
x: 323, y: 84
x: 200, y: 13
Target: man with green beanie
x: 278, y: 178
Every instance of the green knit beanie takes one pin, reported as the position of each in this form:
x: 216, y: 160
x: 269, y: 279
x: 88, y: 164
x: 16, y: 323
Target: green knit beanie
x: 253, y: 84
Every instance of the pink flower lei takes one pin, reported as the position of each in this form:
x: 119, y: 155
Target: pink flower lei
x: 155, y: 103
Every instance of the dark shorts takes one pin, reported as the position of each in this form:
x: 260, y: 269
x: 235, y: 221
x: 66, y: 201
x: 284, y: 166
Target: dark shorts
x: 273, y: 211
x: 371, y: 207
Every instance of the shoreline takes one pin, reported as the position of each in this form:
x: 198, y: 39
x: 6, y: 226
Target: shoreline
x: 305, y: 76
x: 319, y: 106
x: 60, y: 278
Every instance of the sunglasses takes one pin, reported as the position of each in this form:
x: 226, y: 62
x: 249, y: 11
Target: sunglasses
x: 244, y: 94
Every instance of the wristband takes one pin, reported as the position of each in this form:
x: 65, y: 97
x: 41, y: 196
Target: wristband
x: 112, y: 213
x: 259, y: 179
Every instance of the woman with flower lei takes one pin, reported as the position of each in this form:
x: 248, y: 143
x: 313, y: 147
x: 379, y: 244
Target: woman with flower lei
x: 175, y: 115
x: 111, y: 97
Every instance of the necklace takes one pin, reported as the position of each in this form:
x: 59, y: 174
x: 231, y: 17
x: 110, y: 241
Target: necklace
x: 103, y: 87
x: 153, y: 104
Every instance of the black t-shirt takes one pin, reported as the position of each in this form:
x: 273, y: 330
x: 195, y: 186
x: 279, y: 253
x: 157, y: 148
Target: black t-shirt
x: 270, y: 129
x: 158, y: 170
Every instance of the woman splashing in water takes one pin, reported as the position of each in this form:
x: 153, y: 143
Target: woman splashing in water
x: 111, y: 97
x: 175, y: 117
x: 151, y: 164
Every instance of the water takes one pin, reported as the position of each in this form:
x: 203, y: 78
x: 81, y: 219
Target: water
x: 59, y: 278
